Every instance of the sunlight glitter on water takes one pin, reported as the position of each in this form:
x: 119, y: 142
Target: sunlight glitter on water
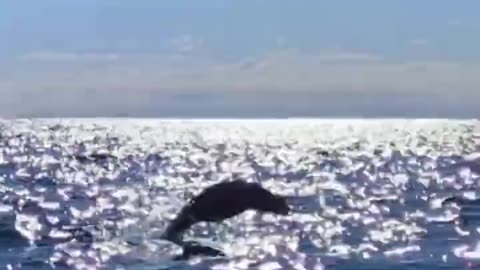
x: 366, y: 193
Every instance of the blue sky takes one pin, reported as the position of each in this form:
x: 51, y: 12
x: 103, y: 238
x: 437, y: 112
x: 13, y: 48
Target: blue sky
x: 216, y: 58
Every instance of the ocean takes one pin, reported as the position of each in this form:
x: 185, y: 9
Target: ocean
x: 366, y: 193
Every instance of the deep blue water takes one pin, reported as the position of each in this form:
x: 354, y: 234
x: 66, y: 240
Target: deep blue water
x: 366, y: 195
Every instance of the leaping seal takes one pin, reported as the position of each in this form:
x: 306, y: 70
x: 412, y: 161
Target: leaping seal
x: 217, y: 203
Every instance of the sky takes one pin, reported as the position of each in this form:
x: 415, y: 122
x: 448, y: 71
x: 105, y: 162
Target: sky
x: 215, y: 58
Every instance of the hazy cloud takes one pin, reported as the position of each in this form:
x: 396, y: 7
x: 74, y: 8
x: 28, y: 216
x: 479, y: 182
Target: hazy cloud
x: 419, y: 42
x: 70, y: 56
x: 285, y: 70
x: 185, y: 43
x: 348, y: 56
x: 134, y: 82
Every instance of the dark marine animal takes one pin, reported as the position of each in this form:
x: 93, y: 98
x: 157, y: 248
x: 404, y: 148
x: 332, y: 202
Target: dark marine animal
x: 222, y: 201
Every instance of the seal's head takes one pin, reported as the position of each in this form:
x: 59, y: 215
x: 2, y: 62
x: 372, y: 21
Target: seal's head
x: 280, y: 205
x: 273, y: 203
x: 261, y: 199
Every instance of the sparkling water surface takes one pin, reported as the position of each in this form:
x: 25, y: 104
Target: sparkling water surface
x: 366, y: 194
